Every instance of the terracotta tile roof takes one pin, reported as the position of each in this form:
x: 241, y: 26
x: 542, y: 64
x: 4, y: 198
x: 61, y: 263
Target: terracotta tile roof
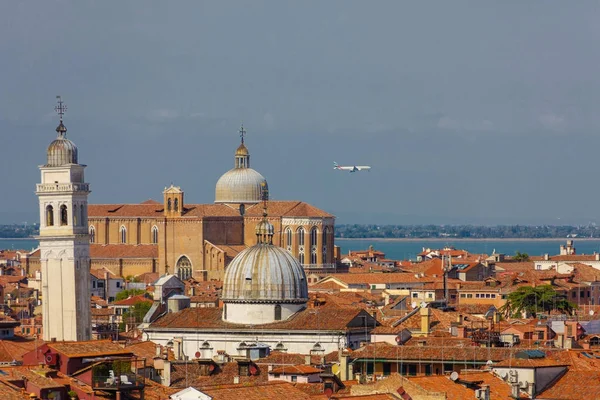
x: 147, y: 350
x: 98, y: 301
x: 38, y: 379
x: 283, y: 358
x: 102, y: 312
x: 300, y: 369
x: 9, y: 391
x: 530, y: 363
x: 124, y: 210
x: 287, y: 209
x: 387, y: 351
x: 123, y: 251
x: 269, y: 391
x: 375, y: 278
x: 499, y: 390
x: 132, y: 300
x: 328, y: 317
x: 88, y: 349
x: 572, y: 386
x: 13, y: 350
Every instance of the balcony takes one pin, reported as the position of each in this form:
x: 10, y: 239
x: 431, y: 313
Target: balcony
x: 62, y: 187
x: 120, y: 382
x: 118, y: 374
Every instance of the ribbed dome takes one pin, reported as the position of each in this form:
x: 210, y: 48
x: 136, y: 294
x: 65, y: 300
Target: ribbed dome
x: 265, y: 273
x: 239, y: 185
x: 61, y: 151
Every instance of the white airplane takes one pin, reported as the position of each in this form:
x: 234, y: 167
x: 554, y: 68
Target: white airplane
x: 352, y: 168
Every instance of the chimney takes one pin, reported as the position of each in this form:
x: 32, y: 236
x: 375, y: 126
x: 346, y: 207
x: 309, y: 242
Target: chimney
x: 344, y: 367
x: 514, y: 390
x: 459, y: 318
x: 484, y: 392
x: 166, y: 375
x: 307, y: 359
x: 236, y: 380
x: 597, y: 256
x: 158, y: 350
x: 425, y: 317
x: 546, y: 257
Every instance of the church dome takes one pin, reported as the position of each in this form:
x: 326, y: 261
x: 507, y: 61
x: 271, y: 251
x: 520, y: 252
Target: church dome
x: 239, y: 185
x: 61, y: 151
x: 265, y: 273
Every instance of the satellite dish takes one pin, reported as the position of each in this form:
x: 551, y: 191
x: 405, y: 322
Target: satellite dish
x: 489, y: 363
x: 414, y: 304
x: 591, y: 312
x: 454, y: 376
x: 423, y: 304
x: 504, y: 375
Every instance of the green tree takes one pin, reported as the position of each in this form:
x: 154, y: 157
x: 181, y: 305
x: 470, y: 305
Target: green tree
x: 129, y: 292
x: 521, y: 256
x: 534, y: 300
x: 135, y: 315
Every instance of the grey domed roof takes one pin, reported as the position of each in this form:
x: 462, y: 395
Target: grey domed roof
x: 265, y: 273
x: 239, y: 185
x: 61, y: 151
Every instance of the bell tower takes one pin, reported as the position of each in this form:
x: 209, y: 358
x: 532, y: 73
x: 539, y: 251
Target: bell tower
x: 64, y: 240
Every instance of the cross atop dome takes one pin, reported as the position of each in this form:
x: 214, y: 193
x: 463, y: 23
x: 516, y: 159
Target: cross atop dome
x: 60, y: 109
x: 242, y: 133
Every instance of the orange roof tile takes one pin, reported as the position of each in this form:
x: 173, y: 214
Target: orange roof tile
x: 88, y: 348
x: 123, y: 251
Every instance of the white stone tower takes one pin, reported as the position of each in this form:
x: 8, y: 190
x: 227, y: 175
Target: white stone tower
x: 64, y: 241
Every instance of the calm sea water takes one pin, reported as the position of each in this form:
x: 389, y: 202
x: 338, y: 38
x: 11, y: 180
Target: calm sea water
x: 408, y: 249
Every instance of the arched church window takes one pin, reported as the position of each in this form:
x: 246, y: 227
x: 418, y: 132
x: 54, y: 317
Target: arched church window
x: 169, y: 204
x: 325, y: 234
x: 300, y: 241
x: 288, y: 238
x: 277, y: 312
x: 123, y: 232
x: 313, y: 244
x: 154, y: 234
x: 183, y: 268
x: 64, y: 220
x: 176, y: 205
x: 300, y: 236
x: 75, y: 216
x: 242, y: 209
x: 92, y: 234
x: 49, y: 216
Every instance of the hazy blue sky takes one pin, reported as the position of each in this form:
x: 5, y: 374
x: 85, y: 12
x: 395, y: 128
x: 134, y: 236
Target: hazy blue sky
x: 474, y: 112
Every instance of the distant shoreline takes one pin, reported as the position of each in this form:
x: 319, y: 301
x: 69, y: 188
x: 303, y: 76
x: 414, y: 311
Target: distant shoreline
x: 27, y: 238
x: 472, y: 239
